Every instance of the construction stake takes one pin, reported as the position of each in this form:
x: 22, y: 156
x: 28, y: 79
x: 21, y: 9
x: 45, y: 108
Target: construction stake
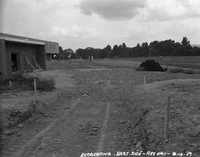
x: 167, y: 119
x: 35, y: 89
x: 10, y: 83
x: 144, y: 79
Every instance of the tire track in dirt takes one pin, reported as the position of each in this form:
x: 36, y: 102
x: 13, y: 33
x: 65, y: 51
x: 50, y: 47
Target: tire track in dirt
x: 103, y: 132
x: 76, y: 134
x: 40, y: 134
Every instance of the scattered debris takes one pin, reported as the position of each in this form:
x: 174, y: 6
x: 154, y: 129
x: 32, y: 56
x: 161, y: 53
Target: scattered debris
x: 98, y: 82
x: 20, y: 125
x: 10, y: 132
x: 30, y: 119
x: 85, y: 95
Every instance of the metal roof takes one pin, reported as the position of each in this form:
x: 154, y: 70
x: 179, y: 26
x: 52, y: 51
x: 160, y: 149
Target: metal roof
x: 22, y: 41
x: 51, y: 47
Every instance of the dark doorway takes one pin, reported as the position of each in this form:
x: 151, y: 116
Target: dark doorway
x: 15, y: 62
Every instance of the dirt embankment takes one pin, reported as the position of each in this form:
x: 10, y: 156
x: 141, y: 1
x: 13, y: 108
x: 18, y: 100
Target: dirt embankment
x: 147, y: 124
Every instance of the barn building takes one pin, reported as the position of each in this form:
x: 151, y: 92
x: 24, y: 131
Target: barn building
x: 21, y: 54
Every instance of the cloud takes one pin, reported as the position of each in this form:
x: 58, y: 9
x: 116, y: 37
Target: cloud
x: 112, y: 9
x: 70, y: 31
x: 157, y: 10
x: 76, y: 31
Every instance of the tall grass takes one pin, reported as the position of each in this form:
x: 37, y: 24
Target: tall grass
x: 26, y: 83
x: 186, y: 71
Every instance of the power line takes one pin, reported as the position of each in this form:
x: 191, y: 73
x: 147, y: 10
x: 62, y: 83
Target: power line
x: 147, y: 35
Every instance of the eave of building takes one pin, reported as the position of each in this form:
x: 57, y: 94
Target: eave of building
x: 26, y: 41
x: 4, y: 35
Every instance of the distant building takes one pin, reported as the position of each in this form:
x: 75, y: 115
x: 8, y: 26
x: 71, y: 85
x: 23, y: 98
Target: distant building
x: 20, y: 54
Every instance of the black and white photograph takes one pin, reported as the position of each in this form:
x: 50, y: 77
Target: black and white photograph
x: 99, y: 78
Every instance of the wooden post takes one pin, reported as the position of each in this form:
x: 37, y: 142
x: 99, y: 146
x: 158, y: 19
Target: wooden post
x: 35, y: 89
x: 167, y: 119
x: 10, y: 84
x: 133, y: 86
x: 144, y: 79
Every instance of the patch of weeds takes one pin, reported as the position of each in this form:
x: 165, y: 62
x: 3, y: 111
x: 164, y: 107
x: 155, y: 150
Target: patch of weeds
x: 192, y: 72
x: 45, y: 84
x: 186, y: 71
x: 177, y: 70
x: 27, y: 83
x: 139, y: 69
x: 3, y: 85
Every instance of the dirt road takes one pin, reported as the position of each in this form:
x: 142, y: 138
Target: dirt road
x: 84, y: 127
x: 109, y: 110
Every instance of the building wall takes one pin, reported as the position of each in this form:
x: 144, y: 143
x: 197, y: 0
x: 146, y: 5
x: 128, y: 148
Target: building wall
x: 24, y: 51
x: 3, y: 60
x: 41, y: 56
x: 26, y: 48
x: 50, y: 47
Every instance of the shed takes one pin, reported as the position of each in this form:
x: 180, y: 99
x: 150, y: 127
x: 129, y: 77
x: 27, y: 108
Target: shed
x: 20, y: 54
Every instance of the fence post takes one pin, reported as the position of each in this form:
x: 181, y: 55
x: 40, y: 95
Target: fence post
x: 35, y: 89
x: 133, y: 86
x: 10, y: 84
x: 144, y: 79
x: 167, y: 119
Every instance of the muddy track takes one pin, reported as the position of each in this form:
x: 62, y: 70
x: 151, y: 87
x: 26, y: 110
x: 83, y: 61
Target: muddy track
x: 39, y: 136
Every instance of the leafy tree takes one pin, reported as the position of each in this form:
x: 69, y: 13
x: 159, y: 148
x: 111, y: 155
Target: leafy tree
x: 109, y: 51
x: 138, y: 45
x: 197, y: 51
x: 73, y: 56
x: 60, y: 49
x: 83, y: 53
x: 108, y: 48
x: 124, y: 46
x: 66, y: 54
x: 144, y: 45
x: 185, y: 41
x: 103, y: 53
x: 120, y: 51
x: 115, y: 50
x: 79, y: 52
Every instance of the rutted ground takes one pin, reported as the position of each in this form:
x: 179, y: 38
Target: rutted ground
x: 133, y: 120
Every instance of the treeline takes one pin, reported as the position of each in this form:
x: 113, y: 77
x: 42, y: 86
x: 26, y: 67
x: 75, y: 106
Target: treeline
x: 156, y: 48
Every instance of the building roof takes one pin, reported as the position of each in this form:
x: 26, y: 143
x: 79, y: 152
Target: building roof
x: 22, y: 41
x: 15, y: 37
x: 51, y: 47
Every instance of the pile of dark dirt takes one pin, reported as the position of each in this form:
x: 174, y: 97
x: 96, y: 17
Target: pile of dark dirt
x: 151, y: 65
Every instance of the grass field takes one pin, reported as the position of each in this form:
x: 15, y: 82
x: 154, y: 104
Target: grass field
x: 192, y: 62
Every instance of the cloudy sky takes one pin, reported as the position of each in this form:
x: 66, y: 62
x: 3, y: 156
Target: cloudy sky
x: 97, y: 23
